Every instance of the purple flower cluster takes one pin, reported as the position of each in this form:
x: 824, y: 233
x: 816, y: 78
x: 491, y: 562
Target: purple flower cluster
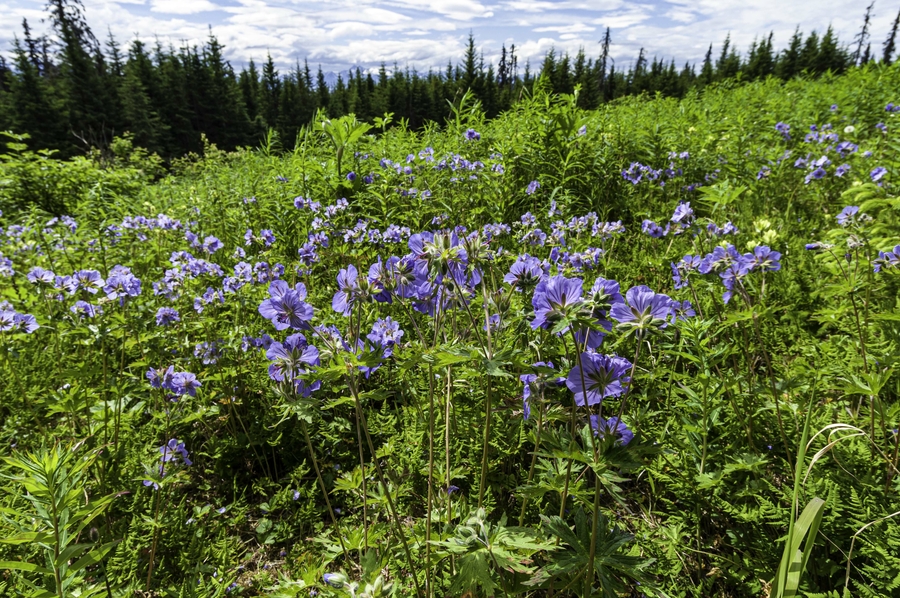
x: 784, y: 129
x: 651, y: 228
x: 637, y: 172
x: 384, y: 335
x: 525, y: 273
x: 85, y: 309
x: 642, y: 309
x: 729, y: 264
x: 171, y: 454
x: 177, y: 383
x: 121, y: 284
x: 291, y: 360
x: 208, y: 352
x: 887, y: 259
x: 166, y: 316
x: 12, y: 321
x: 720, y: 231
x: 555, y: 298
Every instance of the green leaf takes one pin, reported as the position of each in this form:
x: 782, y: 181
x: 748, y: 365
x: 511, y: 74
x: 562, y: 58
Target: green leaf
x: 493, y: 368
x: 94, y: 556
x: 445, y: 358
x: 793, y: 562
x: 27, y: 538
x: 21, y: 566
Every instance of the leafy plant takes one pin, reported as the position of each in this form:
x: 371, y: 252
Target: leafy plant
x: 55, y: 483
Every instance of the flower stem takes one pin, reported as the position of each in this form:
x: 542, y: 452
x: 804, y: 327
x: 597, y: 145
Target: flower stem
x: 312, y: 457
x: 384, y: 486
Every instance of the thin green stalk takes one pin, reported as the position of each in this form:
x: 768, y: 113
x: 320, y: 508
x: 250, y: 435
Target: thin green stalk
x: 772, y: 386
x: 537, y: 444
x: 384, y: 486
x: 428, y: 588
x: 485, y: 447
x: 365, y: 493
x: 312, y: 457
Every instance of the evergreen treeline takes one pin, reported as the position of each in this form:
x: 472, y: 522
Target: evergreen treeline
x: 72, y: 92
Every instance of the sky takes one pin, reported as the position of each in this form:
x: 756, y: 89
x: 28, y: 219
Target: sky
x: 344, y: 34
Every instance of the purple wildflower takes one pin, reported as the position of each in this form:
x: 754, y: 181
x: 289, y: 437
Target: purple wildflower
x: 555, y: 298
x: 166, y: 316
x: 599, y: 376
x: 847, y: 215
x: 525, y: 272
x: 286, y: 307
x: 348, y: 290
x: 642, y: 308
x: 612, y: 428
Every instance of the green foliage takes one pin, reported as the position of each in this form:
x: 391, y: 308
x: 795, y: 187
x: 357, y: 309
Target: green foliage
x: 403, y: 474
x: 38, y: 180
x: 615, y: 571
x: 55, y: 483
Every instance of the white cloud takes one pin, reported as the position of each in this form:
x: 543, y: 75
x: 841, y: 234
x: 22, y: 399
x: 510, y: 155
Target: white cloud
x: 681, y: 15
x: 576, y: 28
x: 182, y: 7
x: 625, y: 18
x: 543, y: 6
x: 461, y: 10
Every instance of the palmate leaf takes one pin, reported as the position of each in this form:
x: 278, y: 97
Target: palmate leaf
x: 485, y: 552
x: 612, y: 567
x: 474, y: 571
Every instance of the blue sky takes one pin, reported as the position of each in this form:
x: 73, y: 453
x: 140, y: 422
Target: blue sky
x: 341, y: 34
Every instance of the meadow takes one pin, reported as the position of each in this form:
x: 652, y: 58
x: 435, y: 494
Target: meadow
x: 643, y: 350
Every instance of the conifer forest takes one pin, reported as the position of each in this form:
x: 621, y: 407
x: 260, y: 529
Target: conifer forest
x: 561, y: 329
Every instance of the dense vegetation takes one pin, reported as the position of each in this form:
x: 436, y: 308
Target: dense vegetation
x: 71, y: 92
x: 361, y: 367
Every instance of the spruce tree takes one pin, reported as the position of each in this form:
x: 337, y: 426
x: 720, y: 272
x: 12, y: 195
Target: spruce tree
x: 729, y: 63
x: 32, y: 110
x: 789, y: 62
x: 706, y: 71
x: 271, y: 93
x: 289, y: 110
x: 167, y: 81
x: 251, y: 94
x: 5, y: 100
x: 810, y: 53
x: 140, y: 117
x: 862, y: 37
x: 83, y: 91
x: 225, y: 116
x: 602, y: 66
x: 830, y: 57
x: 470, y: 65
x: 32, y: 46
x: 889, y: 46
x: 338, y: 104
x: 248, y: 81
